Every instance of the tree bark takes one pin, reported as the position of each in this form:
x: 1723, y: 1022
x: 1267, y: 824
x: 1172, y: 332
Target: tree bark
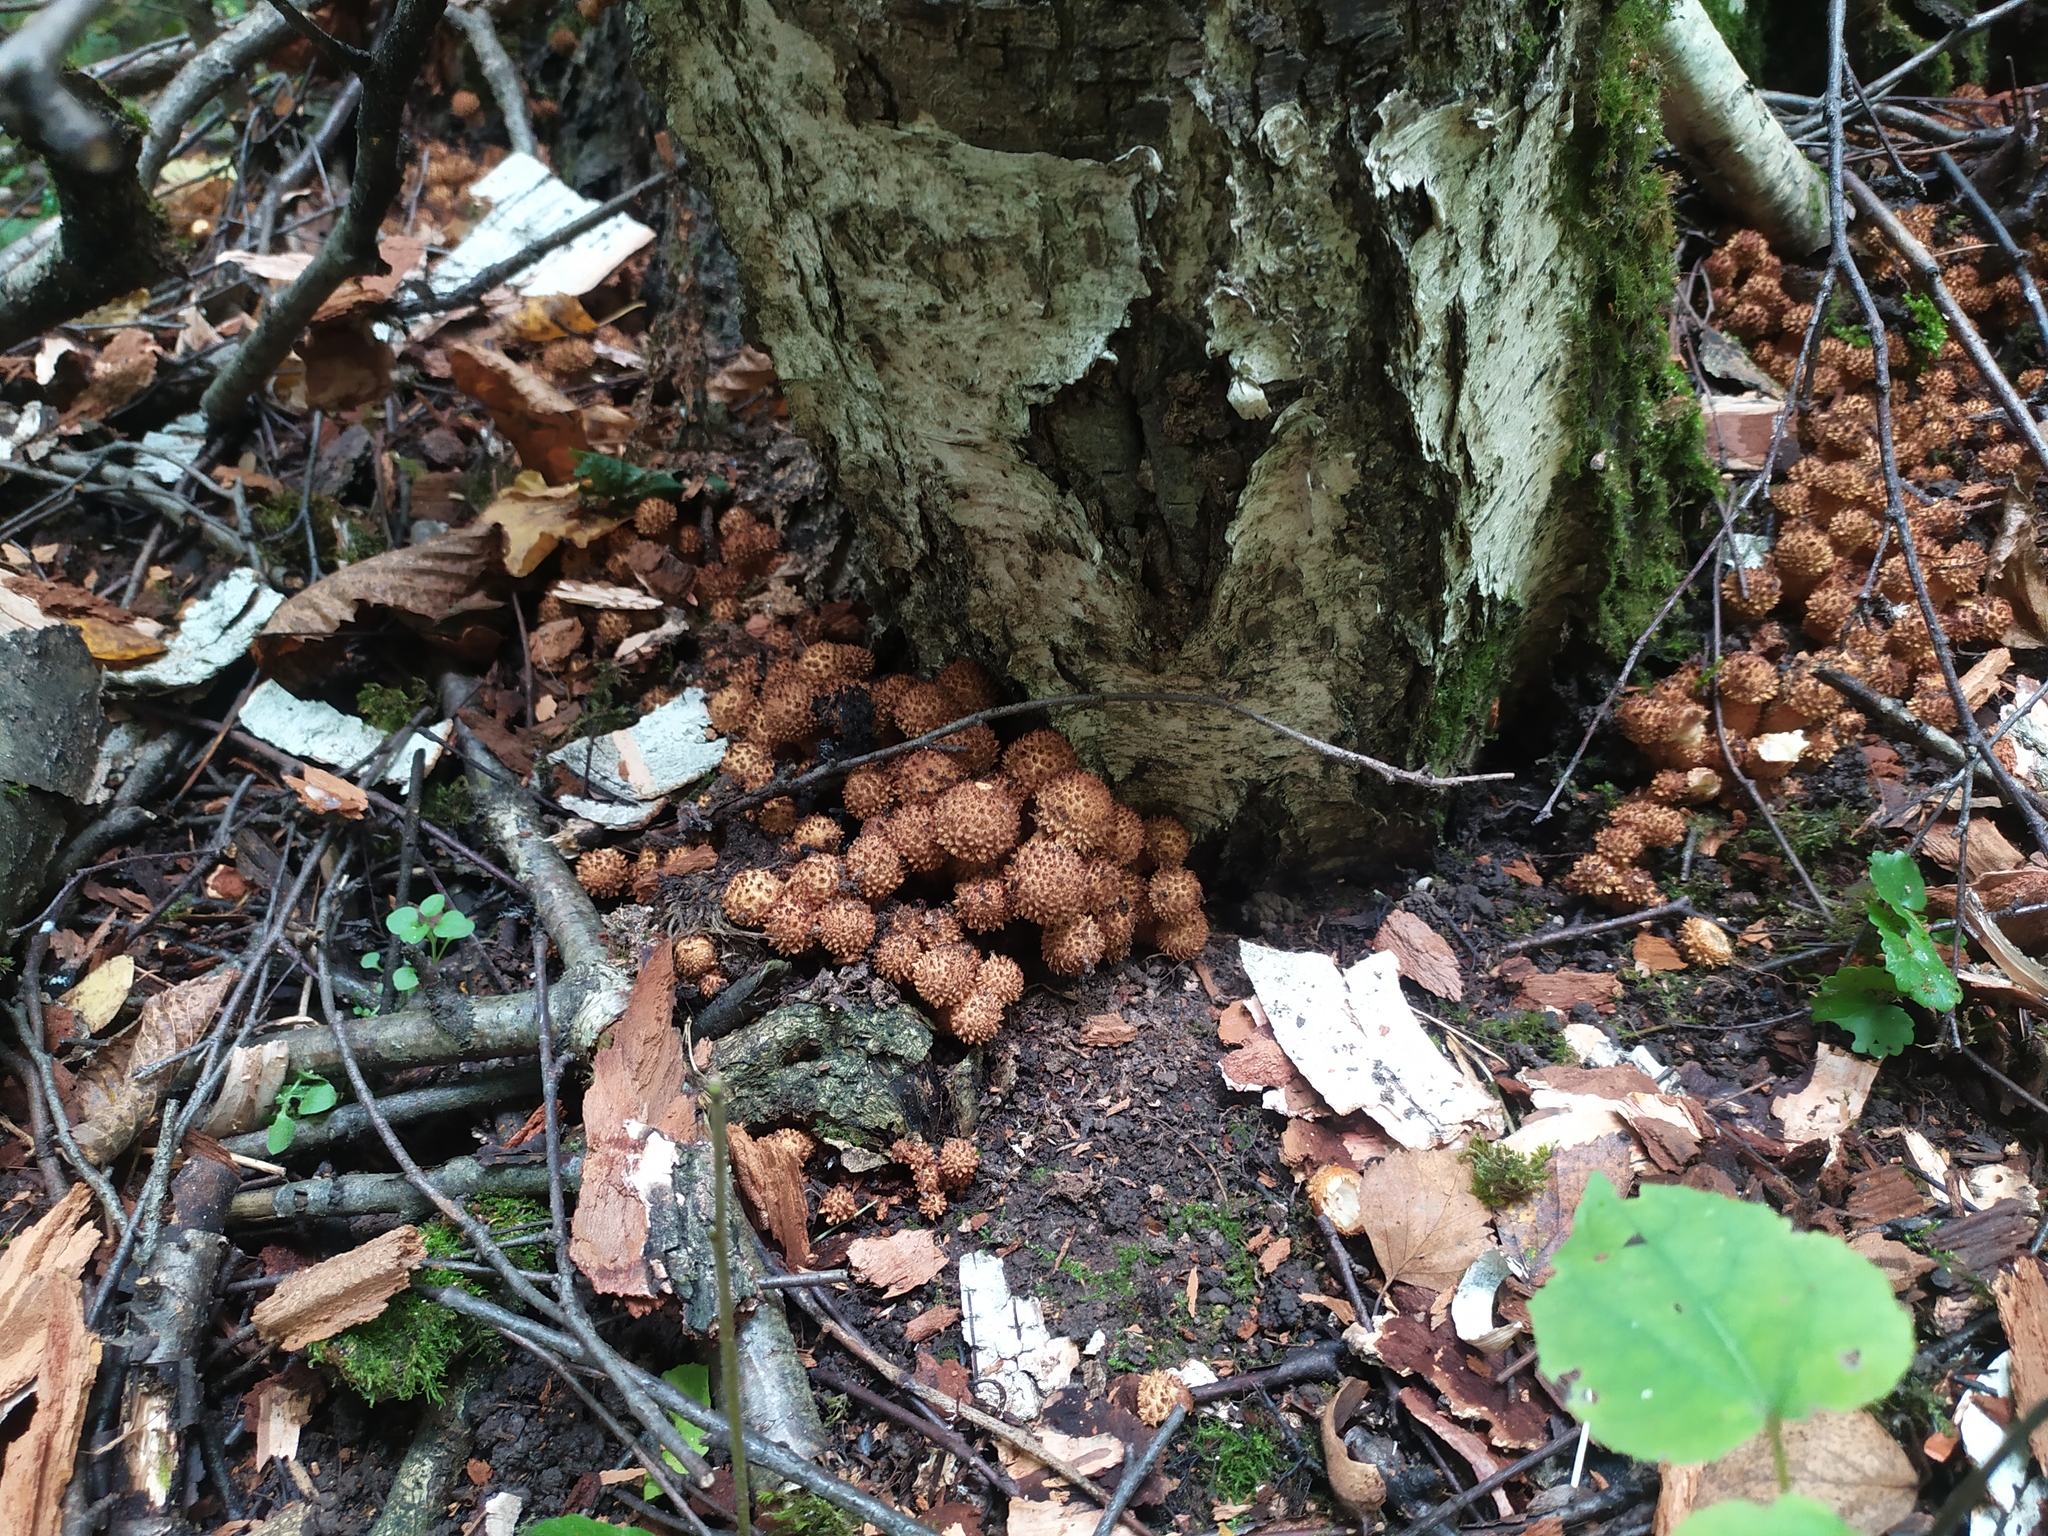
x: 1241, y: 347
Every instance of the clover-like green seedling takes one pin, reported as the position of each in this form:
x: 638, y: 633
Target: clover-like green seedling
x: 404, y: 979
x: 1910, y: 953
x: 1792, y: 1515
x: 1684, y: 1322
x: 433, y: 923
x: 306, y: 1094
x: 1863, y: 1000
x: 582, y: 1525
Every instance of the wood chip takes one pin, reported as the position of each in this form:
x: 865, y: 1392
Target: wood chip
x: 281, y: 1407
x: 1463, y: 1441
x: 900, y: 1262
x: 1564, y: 990
x: 1902, y: 1266
x: 340, y: 1292
x: 1879, y: 1195
x: 1275, y: 1254
x: 929, y: 1323
x: 1418, y: 1346
x: 1521, y: 869
x: 328, y: 793
x: 44, y: 1343
x: 2022, y: 1295
x: 1108, y: 1029
x: 1655, y: 953
x: 770, y: 1174
x: 1423, y: 954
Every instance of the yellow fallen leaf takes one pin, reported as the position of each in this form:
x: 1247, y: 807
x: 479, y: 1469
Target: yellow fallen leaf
x: 116, y: 645
x: 549, y: 317
x: 537, y: 516
x: 99, y: 997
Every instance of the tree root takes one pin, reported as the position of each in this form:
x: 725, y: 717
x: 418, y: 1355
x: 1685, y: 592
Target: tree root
x: 415, y: 1503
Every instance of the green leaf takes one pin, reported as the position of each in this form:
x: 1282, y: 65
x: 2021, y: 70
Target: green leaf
x: 432, y: 906
x: 372, y: 961
x: 453, y: 926
x: 282, y: 1130
x: 1916, y: 963
x: 604, y: 478
x: 1859, y: 998
x: 1896, y: 877
x: 1684, y: 1322
x: 319, y: 1097
x: 404, y: 979
x: 405, y: 922
x: 693, y: 1381
x: 581, y: 1525
x: 1791, y: 1515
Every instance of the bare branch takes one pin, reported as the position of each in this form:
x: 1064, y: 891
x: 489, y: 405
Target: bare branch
x: 474, y: 22
x: 212, y: 69
x: 345, y: 58
x: 37, y: 108
x: 322, y: 143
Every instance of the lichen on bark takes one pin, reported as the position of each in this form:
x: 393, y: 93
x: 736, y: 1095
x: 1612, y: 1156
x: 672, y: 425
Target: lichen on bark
x: 1230, y: 347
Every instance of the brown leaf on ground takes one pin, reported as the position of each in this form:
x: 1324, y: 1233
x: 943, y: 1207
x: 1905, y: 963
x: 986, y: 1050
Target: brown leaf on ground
x: 1275, y: 1254
x: 44, y: 1344
x: 346, y: 365
x: 424, y: 583
x: 900, y: 1262
x: 1336, y: 1306
x: 114, y: 1102
x: 1521, y: 869
x: 340, y: 1292
x: 1513, y: 1416
x: 1562, y: 990
x: 1425, y: 1224
x: 1424, y: 955
x: 1652, y: 952
x: 929, y: 1323
x: 1832, y: 1099
x: 1991, y: 851
x: 359, y: 296
x: 1463, y: 1441
x: 742, y: 378
x: 770, y: 1174
x: 1108, y: 1029
x: 1844, y: 1460
x: 328, y: 793
x: 555, y: 642
x: 2022, y: 1295
x: 1533, y: 1230
x: 636, y: 1092
x: 1237, y: 1025
x: 2017, y: 572
x: 537, y: 516
x: 125, y: 367
x: 544, y: 425
x: 1901, y: 1265
x: 1316, y: 1144
x: 1358, y: 1485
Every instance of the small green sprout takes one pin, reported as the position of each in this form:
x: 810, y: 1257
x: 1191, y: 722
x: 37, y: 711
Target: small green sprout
x: 404, y: 979
x: 433, y: 923
x: 307, y: 1094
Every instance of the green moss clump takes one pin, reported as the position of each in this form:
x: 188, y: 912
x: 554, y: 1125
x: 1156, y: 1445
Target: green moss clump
x: 450, y: 804
x: 387, y: 709
x: 1527, y: 1026
x: 1501, y: 1176
x: 405, y: 1351
x: 1235, y: 1460
x: 791, y: 1512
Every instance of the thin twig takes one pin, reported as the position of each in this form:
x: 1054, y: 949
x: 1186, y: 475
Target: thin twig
x: 1437, y: 1517
x: 1593, y: 930
x: 1140, y: 1467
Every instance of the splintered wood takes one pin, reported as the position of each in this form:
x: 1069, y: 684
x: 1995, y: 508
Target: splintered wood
x: 337, y: 1293
x: 634, y: 1115
x: 770, y: 1173
x: 44, y: 1346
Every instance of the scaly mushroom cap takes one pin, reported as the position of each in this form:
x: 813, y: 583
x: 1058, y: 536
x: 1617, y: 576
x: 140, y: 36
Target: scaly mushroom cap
x: 1685, y: 786
x: 1166, y: 842
x: 1119, y: 928
x: 1933, y: 703
x: 1828, y: 613
x: 966, y: 687
x: 1980, y: 619
x: 1175, y: 893
x: 828, y: 663
x: 1747, y: 678
x: 868, y: 793
x: 749, y: 895
x: 887, y: 692
x: 975, y: 749
x: 931, y: 1205
x: 921, y: 709
x: 1802, y: 555
x: 1636, y: 890
x: 958, y: 1163
x: 1704, y: 944
x: 1048, y: 882
x: 819, y: 832
x: 1158, y: 1391
x: 1125, y: 842
x: 846, y: 927
x: 1961, y: 567
x: 913, y: 1153
x: 1909, y: 640
x: 783, y: 716
x: 1764, y: 589
x: 1619, y: 846
x: 777, y: 817
x: 696, y: 956
x: 1105, y: 884
x: 909, y: 831
x: 1001, y: 978
x: 1659, y: 826
x: 815, y: 880
x: 874, y: 865
x: 923, y: 776
x: 1183, y: 938
x: 748, y: 764
x: 730, y: 707
x: 1037, y: 759
x: 654, y: 517
x: 976, y: 1020
x: 710, y: 984
x: 1649, y: 718
x: 983, y: 906
x: 603, y: 872
x: 1072, y: 947
x: 1077, y: 808
x: 791, y: 926
x: 1593, y: 875
x: 930, y: 926
x: 1811, y: 699
x: 945, y: 975
x: 896, y: 958
x: 1853, y: 531
x: 839, y: 1204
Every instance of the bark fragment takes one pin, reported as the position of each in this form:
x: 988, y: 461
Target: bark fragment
x: 338, y: 1293
x: 44, y: 1342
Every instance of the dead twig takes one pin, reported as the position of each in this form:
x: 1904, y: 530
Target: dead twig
x: 34, y: 103
x: 1578, y: 931
x: 500, y: 73
x: 936, y: 1432
x: 1436, y: 1518
x: 1140, y: 1468
x: 211, y: 70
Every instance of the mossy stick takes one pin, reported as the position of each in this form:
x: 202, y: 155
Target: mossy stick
x: 721, y: 1259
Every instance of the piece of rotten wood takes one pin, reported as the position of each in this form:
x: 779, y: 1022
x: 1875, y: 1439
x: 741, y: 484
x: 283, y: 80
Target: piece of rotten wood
x: 770, y: 1173
x: 45, y: 1345
x: 340, y: 1292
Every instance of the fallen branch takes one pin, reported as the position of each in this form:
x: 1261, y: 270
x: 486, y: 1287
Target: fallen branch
x: 211, y: 70
x: 35, y: 104
x: 1140, y: 1467
x: 303, y: 164
x: 351, y: 1121
x: 351, y: 250
x: 391, y: 1194
x: 140, y: 486
x: 417, y: 1499
x: 500, y: 73
x: 1592, y: 930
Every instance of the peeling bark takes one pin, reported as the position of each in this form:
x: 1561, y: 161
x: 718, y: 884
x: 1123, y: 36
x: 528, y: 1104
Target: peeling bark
x: 1180, y: 346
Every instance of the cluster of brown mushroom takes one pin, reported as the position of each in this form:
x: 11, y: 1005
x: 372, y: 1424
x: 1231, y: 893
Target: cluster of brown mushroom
x: 1775, y: 711
x: 934, y: 1175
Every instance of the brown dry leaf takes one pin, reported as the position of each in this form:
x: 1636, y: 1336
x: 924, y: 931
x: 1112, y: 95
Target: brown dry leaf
x: 1423, y: 955
x: 900, y: 1262
x: 1276, y: 1254
x: 544, y: 425
x: 338, y: 1293
x: 1237, y: 1025
x: 1425, y: 1224
x: 1429, y: 1347
x: 742, y: 378
x: 2017, y: 573
x: 2023, y: 1312
x: 1523, y: 870
x: 114, y: 1103
x: 356, y: 299
x: 1844, y: 1460
x: 549, y: 317
x: 1337, y: 1306
x: 430, y: 582
x: 1108, y: 1029
x: 636, y: 1091
x: 1654, y: 953
x: 1991, y: 851
x: 1358, y: 1485
x: 125, y: 367
x: 1831, y: 1101
x: 770, y: 1174
x: 1902, y: 1266
x: 929, y: 1323
x: 44, y: 1343
x: 536, y: 517
x: 98, y: 998
x: 555, y: 642
x: 346, y: 365
x: 328, y: 793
